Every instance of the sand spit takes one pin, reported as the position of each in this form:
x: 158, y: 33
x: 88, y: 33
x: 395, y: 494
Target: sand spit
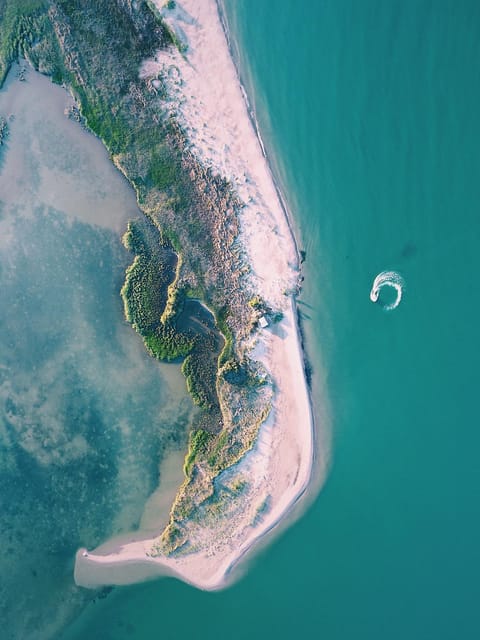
x: 205, y: 95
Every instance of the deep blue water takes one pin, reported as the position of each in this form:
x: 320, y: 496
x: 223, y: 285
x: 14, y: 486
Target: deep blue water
x: 370, y: 112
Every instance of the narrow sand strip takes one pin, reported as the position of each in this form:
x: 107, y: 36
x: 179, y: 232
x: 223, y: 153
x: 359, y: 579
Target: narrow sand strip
x: 206, y: 96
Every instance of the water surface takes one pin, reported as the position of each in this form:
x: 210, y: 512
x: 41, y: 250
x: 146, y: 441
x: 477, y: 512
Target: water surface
x: 370, y: 110
x: 86, y: 415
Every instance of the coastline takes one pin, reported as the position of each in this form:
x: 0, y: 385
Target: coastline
x: 285, y: 448
x: 253, y: 119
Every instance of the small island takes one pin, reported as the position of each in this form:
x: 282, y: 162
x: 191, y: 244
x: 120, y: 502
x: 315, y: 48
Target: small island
x: 215, y: 268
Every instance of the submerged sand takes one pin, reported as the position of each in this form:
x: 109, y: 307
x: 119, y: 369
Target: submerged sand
x: 87, y: 415
x: 207, y: 98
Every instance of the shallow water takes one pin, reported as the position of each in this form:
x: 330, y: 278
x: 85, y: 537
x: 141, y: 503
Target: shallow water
x: 371, y: 111
x: 86, y: 415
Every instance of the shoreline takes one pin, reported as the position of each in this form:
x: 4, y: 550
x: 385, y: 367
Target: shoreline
x: 289, y: 511
x: 282, y: 349
x: 253, y: 119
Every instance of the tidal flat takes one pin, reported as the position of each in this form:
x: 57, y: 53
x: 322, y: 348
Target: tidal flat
x: 87, y: 415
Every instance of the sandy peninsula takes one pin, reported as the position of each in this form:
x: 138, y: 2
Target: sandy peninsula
x: 207, y: 99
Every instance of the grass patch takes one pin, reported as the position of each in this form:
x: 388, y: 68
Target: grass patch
x: 147, y: 279
x: 166, y: 343
x: 221, y: 320
x: 197, y: 446
x: 23, y: 22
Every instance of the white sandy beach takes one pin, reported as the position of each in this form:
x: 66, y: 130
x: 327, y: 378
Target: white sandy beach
x: 208, y: 101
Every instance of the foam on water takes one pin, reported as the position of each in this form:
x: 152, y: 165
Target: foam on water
x: 388, y: 279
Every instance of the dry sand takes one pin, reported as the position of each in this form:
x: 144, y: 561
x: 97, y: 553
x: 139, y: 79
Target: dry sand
x: 206, y: 96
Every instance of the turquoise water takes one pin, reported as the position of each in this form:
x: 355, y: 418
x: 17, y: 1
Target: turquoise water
x: 371, y: 111
x: 86, y: 416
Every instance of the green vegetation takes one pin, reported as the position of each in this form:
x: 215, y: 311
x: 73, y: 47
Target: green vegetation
x: 199, y: 441
x: 200, y: 370
x: 167, y: 344
x: 212, y: 454
x: 200, y: 392
x: 174, y: 39
x: 147, y: 278
x: 216, y: 452
x: 22, y: 22
x: 221, y: 319
x: 256, y: 303
x: 173, y: 538
x: 3, y: 130
x: 185, y: 245
x: 234, y: 373
x: 259, y: 305
x: 239, y: 485
x: 229, y: 448
x: 155, y: 306
x: 175, y: 297
x: 220, y: 443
